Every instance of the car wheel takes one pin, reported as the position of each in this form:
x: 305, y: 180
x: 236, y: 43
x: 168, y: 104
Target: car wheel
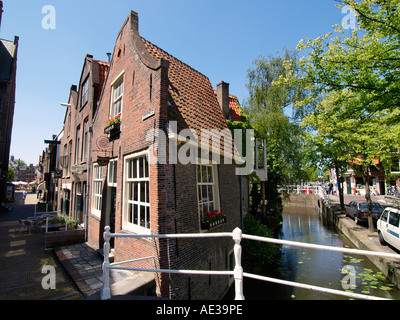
x: 381, y: 239
x: 356, y: 220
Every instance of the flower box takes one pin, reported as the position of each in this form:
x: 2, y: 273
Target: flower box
x: 213, y: 220
x: 113, y: 128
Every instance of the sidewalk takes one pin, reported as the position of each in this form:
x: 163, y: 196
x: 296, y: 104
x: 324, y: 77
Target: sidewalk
x: 22, y: 257
x: 79, y: 273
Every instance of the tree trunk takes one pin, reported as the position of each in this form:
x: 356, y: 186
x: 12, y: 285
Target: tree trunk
x: 369, y: 202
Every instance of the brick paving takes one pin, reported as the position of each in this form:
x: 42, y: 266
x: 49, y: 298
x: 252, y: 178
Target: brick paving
x: 22, y: 257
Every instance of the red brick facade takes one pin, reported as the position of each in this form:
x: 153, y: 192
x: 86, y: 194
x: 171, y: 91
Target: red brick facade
x: 146, y: 88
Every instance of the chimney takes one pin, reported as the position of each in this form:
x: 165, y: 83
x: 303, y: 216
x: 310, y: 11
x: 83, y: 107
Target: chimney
x: 223, y: 98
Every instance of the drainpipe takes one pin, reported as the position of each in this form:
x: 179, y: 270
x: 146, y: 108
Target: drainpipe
x: 88, y: 155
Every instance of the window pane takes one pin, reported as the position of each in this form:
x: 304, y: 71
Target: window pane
x: 204, y: 193
x: 198, y: 170
x: 142, y: 216
x: 141, y: 167
x: 209, y: 176
x: 142, y: 192
x: 135, y: 214
x: 204, y: 174
x: 147, y: 192
x: 148, y: 217
x: 135, y: 191
x: 210, y: 193
x: 146, y: 167
x: 130, y: 218
x: 134, y: 168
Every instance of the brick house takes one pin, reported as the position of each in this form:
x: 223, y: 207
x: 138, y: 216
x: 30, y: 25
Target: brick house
x: 149, y: 95
x: 8, y: 73
x: 75, y: 140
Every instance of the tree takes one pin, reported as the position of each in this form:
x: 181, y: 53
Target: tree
x: 268, y: 110
x: 354, y: 85
x: 10, y: 174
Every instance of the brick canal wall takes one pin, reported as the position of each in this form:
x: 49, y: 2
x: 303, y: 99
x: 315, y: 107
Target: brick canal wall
x: 302, y: 200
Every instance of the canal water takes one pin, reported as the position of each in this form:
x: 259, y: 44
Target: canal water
x: 316, y: 267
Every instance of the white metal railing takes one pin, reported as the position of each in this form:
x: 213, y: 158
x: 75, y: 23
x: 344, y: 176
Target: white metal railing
x: 238, y: 273
x: 304, y: 189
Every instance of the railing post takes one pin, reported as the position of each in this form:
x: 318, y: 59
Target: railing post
x: 106, y: 291
x: 238, y: 272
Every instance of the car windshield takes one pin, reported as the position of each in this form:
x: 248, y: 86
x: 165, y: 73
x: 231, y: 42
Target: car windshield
x: 375, y: 206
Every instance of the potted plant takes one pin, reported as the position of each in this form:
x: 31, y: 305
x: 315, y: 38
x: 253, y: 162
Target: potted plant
x: 213, y: 219
x: 113, y: 124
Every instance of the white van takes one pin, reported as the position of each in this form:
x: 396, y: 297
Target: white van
x: 388, y: 227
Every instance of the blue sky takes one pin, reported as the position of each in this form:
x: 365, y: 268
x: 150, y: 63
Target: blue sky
x: 219, y: 38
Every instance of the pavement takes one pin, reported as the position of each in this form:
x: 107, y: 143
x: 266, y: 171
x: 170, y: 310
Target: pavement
x: 23, y: 258
x: 78, y: 268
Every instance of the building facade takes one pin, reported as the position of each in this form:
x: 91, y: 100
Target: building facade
x: 8, y: 73
x: 151, y: 105
x: 74, y: 145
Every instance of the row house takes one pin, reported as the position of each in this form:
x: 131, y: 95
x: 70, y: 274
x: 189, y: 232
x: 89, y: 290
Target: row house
x: 131, y: 157
x: 8, y: 73
x: 73, y: 160
x: 150, y: 95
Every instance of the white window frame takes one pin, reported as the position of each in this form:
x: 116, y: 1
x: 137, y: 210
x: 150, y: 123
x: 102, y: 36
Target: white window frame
x: 112, y: 173
x: 117, y: 83
x: 97, y: 195
x: 130, y: 201
x: 203, y: 201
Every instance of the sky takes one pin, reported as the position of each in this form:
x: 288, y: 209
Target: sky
x: 219, y: 38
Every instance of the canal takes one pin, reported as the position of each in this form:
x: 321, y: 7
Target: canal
x: 316, y: 267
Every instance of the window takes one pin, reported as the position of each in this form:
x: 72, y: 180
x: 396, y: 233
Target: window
x: 84, y: 139
x: 394, y: 219
x: 64, y: 161
x: 206, y: 189
x: 78, y: 203
x: 85, y: 92
x: 384, y: 216
x: 69, y: 124
x: 112, y: 173
x: 137, y: 194
x: 116, y: 96
x: 77, y: 144
x: 97, y: 188
x: 69, y: 156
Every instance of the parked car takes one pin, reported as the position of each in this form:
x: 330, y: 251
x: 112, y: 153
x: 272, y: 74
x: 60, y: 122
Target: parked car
x: 388, y: 227
x: 359, y: 211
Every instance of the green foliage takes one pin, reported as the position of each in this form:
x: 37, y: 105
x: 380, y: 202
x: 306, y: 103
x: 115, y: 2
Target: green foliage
x: 10, y: 174
x: 257, y: 254
x: 352, y: 79
x: 268, y: 113
x: 71, y: 223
